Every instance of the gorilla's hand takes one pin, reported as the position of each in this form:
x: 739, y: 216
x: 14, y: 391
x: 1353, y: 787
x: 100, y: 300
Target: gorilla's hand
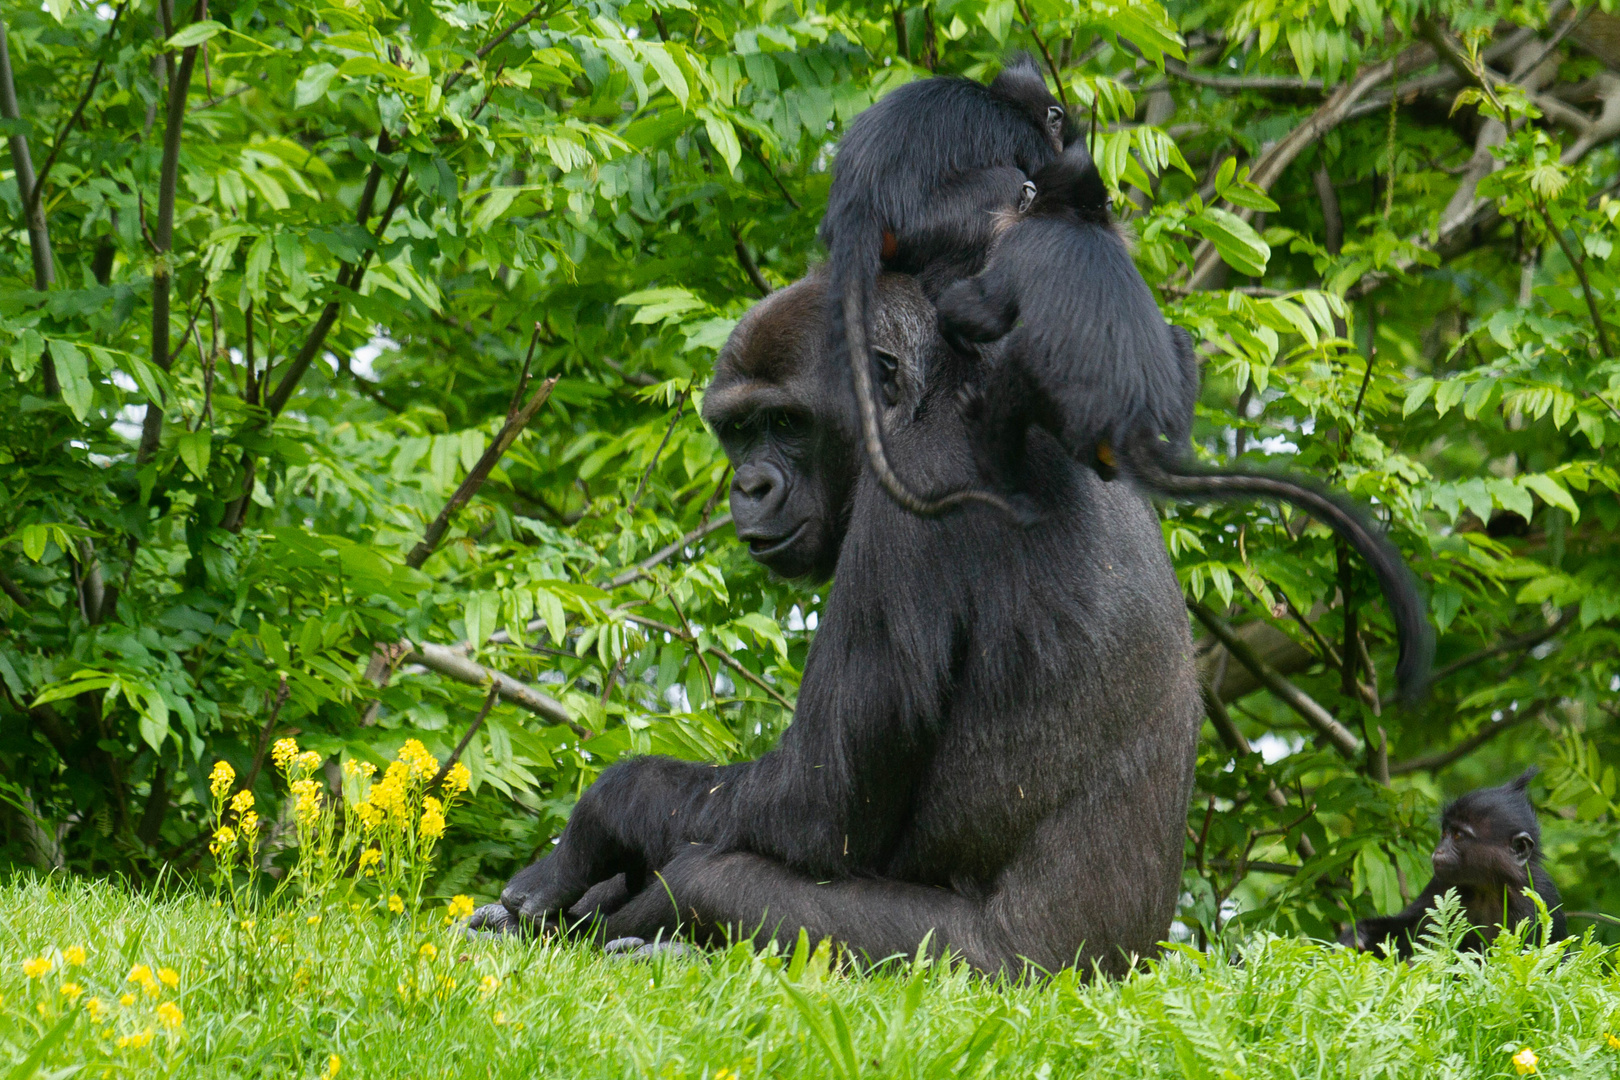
x: 493, y: 919
x: 538, y: 895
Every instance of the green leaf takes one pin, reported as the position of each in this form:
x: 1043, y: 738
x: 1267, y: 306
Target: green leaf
x: 195, y: 34
x: 25, y: 354
x: 1236, y: 241
x: 312, y: 84
x: 194, y: 451
x: 1551, y: 492
x: 35, y: 1057
x: 724, y: 138
x: 73, y: 372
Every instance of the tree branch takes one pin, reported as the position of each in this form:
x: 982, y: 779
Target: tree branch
x: 680, y: 406
x: 516, y: 421
x: 163, y: 235
x: 455, y: 755
x: 1046, y: 54
x: 1241, y: 82
x: 495, y: 42
x: 1302, y: 703
x: 1579, y: 266
x: 67, y: 128
x: 750, y: 267
x: 1506, y: 645
x: 639, y: 571
x: 1437, y: 761
x: 453, y: 663
x: 39, y: 235
x: 725, y: 657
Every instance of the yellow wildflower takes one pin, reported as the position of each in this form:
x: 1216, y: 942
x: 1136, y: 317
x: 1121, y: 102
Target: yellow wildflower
x: 313, y: 920
x: 488, y: 985
x: 242, y: 801
x: 1525, y: 1061
x: 249, y: 924
x: 168, y: 977
x: 95, y: 1008
x: 308, y: 807
x: 250, y: 826
x: 308, y: 761
x: 74, y: 954
x: 461, y: 906
x: 136, y: 1041
x: 333, y: 1064
x: 395, y: 904
x: 34, y: 967
x: 431, y: 826
x: 457, y: 779
x: 428, y: 950
x: 1614, y: 1043
x: 221, y: 779
x: 71, y: 991
x: 369, y: 859
x: 358, y: 768
x: 171, y: 1016
x: 422, y: 764
x: 126, y: 1000
x: 142, y: 974
x: 370, y: 815
x: 283, y: 751
x: 224, y: 839
x: 500, y: 1018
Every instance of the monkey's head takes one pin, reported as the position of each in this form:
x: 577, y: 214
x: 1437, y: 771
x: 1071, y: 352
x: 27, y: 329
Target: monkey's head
x: 1021, y: 82
x: 782, y: 409
x: 1070, y: 187
x: 1490, y: 837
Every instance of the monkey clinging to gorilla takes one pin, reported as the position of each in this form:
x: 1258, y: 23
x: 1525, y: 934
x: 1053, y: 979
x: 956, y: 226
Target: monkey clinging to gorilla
x: 1489, y: 852
x: 1089, y: 357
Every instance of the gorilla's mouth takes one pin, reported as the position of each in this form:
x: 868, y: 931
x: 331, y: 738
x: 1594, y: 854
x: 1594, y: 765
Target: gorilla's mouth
x: 766, y: 546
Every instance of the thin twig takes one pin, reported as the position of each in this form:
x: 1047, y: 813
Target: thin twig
x: 1513, y: 644
x: 67, y: 128
x: 639, y: 571
x: 494, y: 43
x: 515, y: 423
x: 708, y: 676
x: 750, y: 267
x: 725, y: 657
x: 455, y: 755
x: 760, y: 157
x: 1579, y: 266
x: 680, y: 406
x: 1241, y: 82
x: 283, y: 692
x: 1436, y: 762
x: 1046, y: 54
x: 9, y: 587
x: 1302, y: 703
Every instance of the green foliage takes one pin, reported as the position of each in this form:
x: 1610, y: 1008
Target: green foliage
x: 375, y: 209
x: 391, y: 996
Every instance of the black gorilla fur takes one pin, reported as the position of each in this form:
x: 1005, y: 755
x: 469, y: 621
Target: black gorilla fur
x: 996, y: 729
x: 1490, y: 852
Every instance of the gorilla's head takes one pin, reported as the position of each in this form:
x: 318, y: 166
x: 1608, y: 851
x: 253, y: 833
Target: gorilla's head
x: 785, y: 415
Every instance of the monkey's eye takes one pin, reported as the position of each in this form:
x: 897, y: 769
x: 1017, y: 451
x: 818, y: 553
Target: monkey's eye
x: 888, y: 375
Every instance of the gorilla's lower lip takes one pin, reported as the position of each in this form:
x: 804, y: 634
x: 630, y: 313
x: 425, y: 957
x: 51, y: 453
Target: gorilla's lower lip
x: 764, y: 547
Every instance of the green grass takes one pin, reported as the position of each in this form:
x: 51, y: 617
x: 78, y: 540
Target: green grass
x: 280, y: 998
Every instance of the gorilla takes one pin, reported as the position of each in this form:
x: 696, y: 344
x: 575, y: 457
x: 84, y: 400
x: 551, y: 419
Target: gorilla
x: 995, y: 735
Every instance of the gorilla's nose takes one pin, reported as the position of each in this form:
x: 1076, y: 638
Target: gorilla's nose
x: 757, y: 483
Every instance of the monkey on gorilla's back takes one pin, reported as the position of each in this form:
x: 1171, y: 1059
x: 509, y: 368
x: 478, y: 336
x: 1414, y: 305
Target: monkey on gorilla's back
x: 1489, y: 852
x: 980, y: 700
x: 915, y: 182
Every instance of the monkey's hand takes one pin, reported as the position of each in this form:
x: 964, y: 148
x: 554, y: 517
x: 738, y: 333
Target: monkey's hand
x: 973, y: 312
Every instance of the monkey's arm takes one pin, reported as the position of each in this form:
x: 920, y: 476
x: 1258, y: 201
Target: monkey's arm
x: 978, y: 310
x: 1397, y: 931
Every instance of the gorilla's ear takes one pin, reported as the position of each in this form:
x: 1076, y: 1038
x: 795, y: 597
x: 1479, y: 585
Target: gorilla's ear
x: 888, y: 365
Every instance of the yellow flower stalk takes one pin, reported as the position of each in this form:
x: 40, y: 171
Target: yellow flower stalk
x: 36, y: 966
x: 333, y: 1064
x: 1524, y: 1062
x: 171, y: 1016
x: 242, y: 801
x: 221, y: 779
x: 71, y: 991
x: 396, y: 905
x: 126, y: 1000
x: 457, y: 780
x: 461, y: 906
x: 74, y: 954
x: 168, y: 977
x: 224, y: 839
x: 283, y: 752
x: 428, y: 951
x: 136, y: 1041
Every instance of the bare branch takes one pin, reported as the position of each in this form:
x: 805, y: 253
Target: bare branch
x: 453, y: 663
x: 515, y: 423
x: 1436, y: 762
x: 38, y: 185
x: 680, y: 406
x: 39, y: 234
x: 1302, y: 703
x: 1242, y: 82
x: 455, y: 755
x: 639, y: 571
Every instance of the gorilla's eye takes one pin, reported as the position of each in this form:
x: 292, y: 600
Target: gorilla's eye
x: 888, y: 375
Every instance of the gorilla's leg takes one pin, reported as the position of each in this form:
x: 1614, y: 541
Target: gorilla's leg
x: 741, y: 895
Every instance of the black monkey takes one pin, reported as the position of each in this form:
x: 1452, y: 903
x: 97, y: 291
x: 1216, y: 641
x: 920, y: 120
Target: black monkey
x: 913, y: 179
x: 980, y: 701
x: 1089, y: 357
x: 1489, y: 852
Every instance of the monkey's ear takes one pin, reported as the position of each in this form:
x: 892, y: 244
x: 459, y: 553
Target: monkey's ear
x: 1026, y: 197
x: 1523, y: 845
x: 1054, y: 120
x: 1522, y: 781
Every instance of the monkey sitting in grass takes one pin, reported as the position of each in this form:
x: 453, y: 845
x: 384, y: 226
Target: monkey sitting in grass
x: 1489, y: 852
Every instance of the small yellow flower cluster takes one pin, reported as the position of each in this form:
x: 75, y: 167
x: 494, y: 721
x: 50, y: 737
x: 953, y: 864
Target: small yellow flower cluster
x: 283, y: 752
x: 461, y: 906
x: 142, y: 974
x: 1524, y: 1062
x: 432, y: 824
x: 95, y: 1008
x: 1614, y: 1043
x: 360, y: 770
x: 242, y: 801
x: 456, y: 780
x: 396, y: 905
x: 74, y: 954
x: 428, y: 951
x: 168, y: 977
x: 171, y: 1016
x: 369, y: 859
x: 36, y: 966
x: 224, y: 840
x: 488, y: 985
x: 307, y: 762
x: 308, y: 793
x: 333, y: 1064
x: 72, y: 990
x: 423, y: 765
x: 221, y: 779
x: 136, y: 1041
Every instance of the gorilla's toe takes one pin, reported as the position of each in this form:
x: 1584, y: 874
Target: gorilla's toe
x: 634, y: 948
x: 624, y: 944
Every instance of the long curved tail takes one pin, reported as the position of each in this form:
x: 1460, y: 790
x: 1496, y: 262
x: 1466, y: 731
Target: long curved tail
x: 1151, y: 463
x: 855, y: 256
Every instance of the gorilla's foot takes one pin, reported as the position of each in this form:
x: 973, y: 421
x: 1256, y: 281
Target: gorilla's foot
x: 493, y: 920
x: 634, y: 948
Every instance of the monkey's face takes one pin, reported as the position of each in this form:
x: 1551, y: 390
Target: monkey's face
x: 1470, y: 853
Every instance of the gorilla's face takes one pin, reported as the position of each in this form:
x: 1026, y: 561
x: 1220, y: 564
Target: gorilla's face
x: 785, y: 416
